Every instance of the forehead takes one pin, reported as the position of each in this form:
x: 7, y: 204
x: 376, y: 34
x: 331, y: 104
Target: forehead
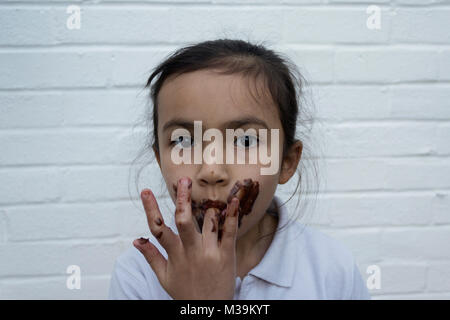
x: 214, y: 98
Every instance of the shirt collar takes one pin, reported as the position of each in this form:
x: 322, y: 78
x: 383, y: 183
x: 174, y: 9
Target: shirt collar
x: 279, y: 262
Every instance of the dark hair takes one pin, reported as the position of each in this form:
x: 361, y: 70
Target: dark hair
x: 281, y: 77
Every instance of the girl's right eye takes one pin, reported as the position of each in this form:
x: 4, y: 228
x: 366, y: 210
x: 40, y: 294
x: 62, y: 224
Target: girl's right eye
x: 186, y: 141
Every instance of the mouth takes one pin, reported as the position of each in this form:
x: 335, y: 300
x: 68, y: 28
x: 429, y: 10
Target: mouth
x: 246, y: 192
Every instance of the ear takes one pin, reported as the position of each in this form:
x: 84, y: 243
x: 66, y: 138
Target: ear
x: 157, y: 155
x: 290, y: 162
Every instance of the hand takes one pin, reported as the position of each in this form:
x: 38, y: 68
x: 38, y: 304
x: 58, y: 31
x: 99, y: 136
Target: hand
x: 198, y: 266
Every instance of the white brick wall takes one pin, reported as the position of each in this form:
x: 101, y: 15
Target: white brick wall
x: 70, y: 99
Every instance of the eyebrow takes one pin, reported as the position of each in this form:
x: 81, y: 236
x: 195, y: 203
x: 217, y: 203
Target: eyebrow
x: 232, y: 124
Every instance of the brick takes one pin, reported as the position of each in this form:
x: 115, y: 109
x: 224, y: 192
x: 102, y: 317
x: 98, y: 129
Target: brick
x: 419, y: 25
x: 421, y: 2
x: 70, y: 146
x: 418, y: 244
x: 363, y: 243
x: 25, y: 26
x: 439, y: 277
x: 346, y: 103
x: 420, y: 102
x: 418, y: 173
x: 337, y: 26
x: 360, y: 1
x: 252, y: 23
x: 55, y: 288
x: 134, y: 67
x: 400, y: 277
x: 314, y: 64
x: 60, y: 109
x: 404, y: 139
x: 53, y: 258
x: 415, y: 296
x: 108, y: 183
x: 68, y: 221
x: 367, y: 174
x: 441, y: 207
x: 443, y: 65
x: 370, y: 210
x: 385, y: 65
x: 97, y: 25
x: 50, y: 69
x: 3, y: 223
x: 65, y: 221
x: 442, y: 140
x: 30, y: 185
x: 391, y: 174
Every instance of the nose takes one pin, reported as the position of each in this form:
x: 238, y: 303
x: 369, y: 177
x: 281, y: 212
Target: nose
x: 212, y: 175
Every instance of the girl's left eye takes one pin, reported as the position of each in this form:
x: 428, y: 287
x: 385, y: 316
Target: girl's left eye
x: 247, y: 141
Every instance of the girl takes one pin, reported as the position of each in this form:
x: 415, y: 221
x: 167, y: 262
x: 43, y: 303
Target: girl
x: 229, y: 84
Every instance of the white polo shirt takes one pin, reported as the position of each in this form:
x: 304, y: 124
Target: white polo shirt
x: 300, y: 263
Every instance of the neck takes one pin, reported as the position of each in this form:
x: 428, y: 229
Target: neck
x: 251, y: 247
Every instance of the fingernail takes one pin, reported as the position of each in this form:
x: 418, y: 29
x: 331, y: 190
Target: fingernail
x: 184, y: 182
x: 143, y: 240
x: 146, y: 194
x: 158, y: 221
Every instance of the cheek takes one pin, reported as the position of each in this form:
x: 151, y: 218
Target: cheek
x: 267, y: 188
x: 166, y: 161
x: 171, y: 173
x: 169, y: 168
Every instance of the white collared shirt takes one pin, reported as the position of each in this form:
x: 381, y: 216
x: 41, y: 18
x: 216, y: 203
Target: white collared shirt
x: 300, y: 263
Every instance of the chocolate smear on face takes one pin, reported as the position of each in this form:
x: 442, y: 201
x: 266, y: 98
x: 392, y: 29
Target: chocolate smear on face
x: 246, y: 192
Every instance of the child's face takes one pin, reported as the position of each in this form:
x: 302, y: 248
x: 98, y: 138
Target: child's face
x: 215, y: 100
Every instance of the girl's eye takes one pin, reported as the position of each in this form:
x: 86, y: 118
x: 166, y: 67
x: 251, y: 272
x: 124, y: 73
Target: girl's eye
x: 247, y: 141
x: 186, y: 141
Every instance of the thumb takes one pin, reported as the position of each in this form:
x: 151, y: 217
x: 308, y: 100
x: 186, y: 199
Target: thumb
x: 154, y: 258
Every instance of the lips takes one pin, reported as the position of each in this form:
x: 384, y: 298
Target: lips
x: 246, y: 192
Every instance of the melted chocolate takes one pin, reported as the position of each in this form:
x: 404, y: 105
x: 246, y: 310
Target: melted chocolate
x: 246, y: 192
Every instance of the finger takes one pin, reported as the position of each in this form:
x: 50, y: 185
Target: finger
x: 229, y: 232
x: 210, y: 229
x: 189, y: 235
x: 154, y: 258
x: 165, y: 236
